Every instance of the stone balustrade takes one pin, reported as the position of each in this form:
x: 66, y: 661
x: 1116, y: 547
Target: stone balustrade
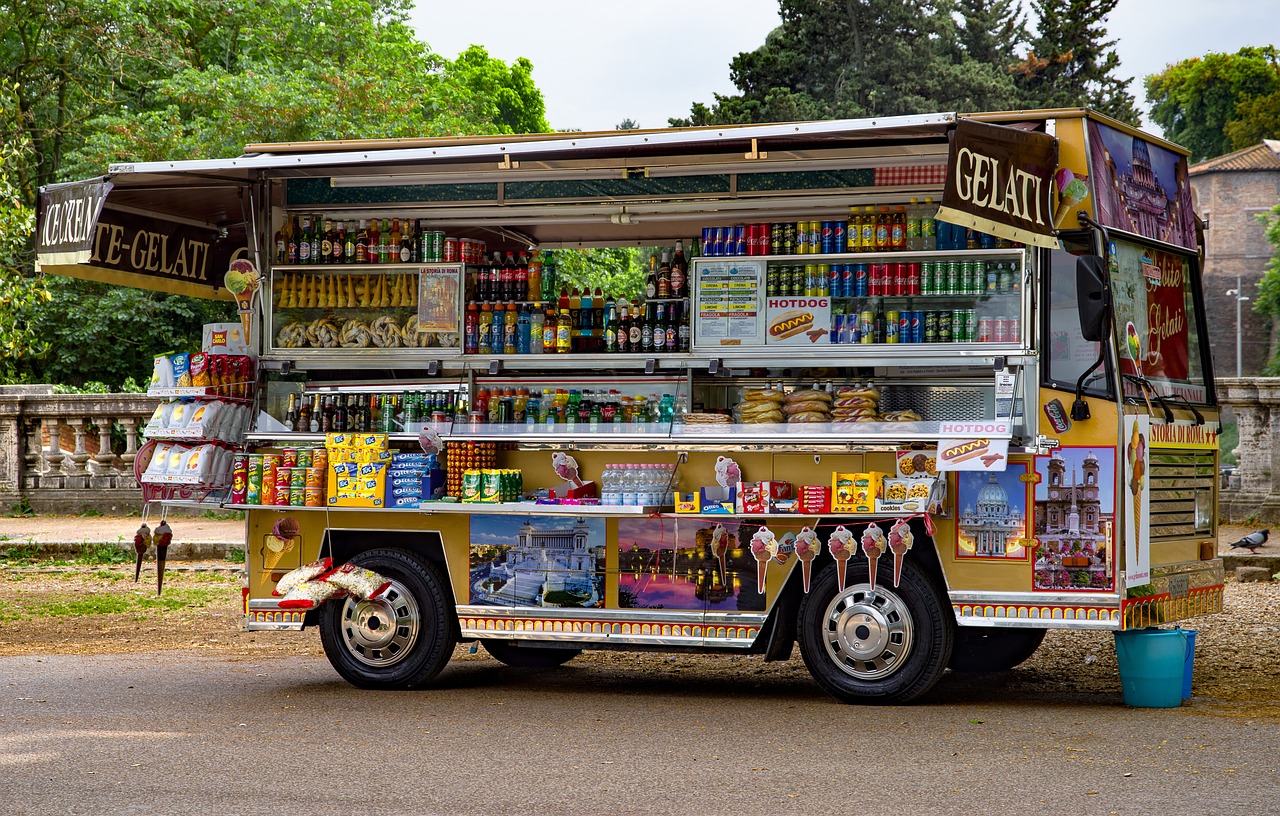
x: 66, y: 453
x: 1252, y: 493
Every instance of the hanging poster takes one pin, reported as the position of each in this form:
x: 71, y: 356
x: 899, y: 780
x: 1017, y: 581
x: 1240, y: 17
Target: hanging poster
x: 1075, y: 519
x: 993, y: 513
x: 1141, y: 187
x: 546, y: 561
x: 1137, y: 495
x: 728, y: 296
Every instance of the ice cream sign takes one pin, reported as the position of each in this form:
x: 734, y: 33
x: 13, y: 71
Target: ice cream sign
x: 1000, y: 181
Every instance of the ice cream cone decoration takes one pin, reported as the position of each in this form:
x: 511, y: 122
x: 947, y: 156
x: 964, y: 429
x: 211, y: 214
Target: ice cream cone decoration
x: 720, y: 548
x: 842, y: 546
x: 900, y: 541
x: 1136, y: 452
x: 280, y: 542
x: 243, y: 281
x: 873, y: 546
x: 164, y: 537
x: 764, y: 546
x: 1071, y: 191
x: 807, y: 548
x: 141, y: 541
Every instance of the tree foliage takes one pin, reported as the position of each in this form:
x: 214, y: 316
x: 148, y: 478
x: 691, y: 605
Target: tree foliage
x: 1219, y: 102
x: 1267, y: 301
x: 860, y: 58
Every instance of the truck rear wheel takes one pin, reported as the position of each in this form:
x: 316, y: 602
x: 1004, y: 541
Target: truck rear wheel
x: 520, y: 656
x: 884, y: 645
x: 982, y: 650
x: 399, y: 640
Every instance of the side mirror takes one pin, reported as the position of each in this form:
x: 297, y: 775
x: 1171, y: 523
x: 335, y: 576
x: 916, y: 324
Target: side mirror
x: 1093, y: 296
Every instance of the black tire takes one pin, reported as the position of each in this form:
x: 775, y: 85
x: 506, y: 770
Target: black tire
x: 399, y: 640
x: 980, y: 650
x: 889, y: 645
x: 520, y: 656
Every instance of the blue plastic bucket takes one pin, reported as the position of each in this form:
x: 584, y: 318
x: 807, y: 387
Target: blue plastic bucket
x: 1153, y: 666
x: 1189, y: 664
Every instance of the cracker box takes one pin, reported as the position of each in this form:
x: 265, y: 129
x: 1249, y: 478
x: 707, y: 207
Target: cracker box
x: 855, y: 492
x: 718, y: 499
x: 750, y: 499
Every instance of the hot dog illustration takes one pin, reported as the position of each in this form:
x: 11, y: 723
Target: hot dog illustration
x: 791, y: 323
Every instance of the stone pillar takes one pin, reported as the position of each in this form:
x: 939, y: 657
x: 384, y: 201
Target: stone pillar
x: 53, y: 455
x: 105, y: 459
x: 130, y: 449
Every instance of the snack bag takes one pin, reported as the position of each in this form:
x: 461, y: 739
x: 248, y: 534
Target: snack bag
x: 159, y: 463
x: 200, y: 375
x: 360, y: 582
x: 162, y: 372
x: 181, y: 369
x: 180, y: 415
x: 301, y: 575
x: 309, y: 595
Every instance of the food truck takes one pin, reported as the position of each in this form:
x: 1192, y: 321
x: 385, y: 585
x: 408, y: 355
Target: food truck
x: 907, y: 391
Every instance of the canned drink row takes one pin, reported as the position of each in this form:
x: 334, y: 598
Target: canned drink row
x: 264, y: 479
x: 922, y: 326
x: 492, y: 485
x: 954, y: 277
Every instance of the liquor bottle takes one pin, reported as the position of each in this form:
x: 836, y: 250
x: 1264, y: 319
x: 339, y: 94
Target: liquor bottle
x: 291, y: 248
x: 282, y: 245
x: 624, y: 328
x: 304, y: 242
x: 326, y: 243
x: 387, y: 418
x: 672, y: 328
x: 520, y: 289
x: 303, y: 422
x: 611, y: 328
x: 651, y: 283
x: 393, y: 242
x: 362, y: 242
x: 646, y: 328
x: 408, y: 244
x: 326, y: 414
x: 340, y: 415
x: 375, y: 236
x: 684, y: 335
x: 291, y: 414
x: 679, y: 271
x: 348, y: 242
x: 636, y: 331
x: 664, y: 276
x: 659, y: 329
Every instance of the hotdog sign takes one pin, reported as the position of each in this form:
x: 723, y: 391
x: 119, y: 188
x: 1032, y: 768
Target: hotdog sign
x: 797, y: 321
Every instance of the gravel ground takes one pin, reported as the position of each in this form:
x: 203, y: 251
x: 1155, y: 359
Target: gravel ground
x: 100, y: 610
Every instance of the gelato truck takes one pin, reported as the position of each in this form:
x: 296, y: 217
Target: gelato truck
x: 906, y: 391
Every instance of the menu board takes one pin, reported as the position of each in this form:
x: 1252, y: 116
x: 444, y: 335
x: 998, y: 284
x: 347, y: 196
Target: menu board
x: 728, y: 295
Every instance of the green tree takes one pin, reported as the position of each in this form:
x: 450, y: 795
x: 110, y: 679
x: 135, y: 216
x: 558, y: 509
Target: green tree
x: 1071, y: 62
x: 20, y: 296
x: 616, y: 270
x: 1267, y: 300
x: 503, y: 98
x: 1219, y: 102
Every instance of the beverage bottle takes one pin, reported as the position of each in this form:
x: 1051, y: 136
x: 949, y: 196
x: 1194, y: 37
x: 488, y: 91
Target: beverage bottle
x: 550, y: 329
x: 484, y: 333
x: 408, y: 243
x: 520, y: 290
x: 510, y: 330
x: 393, y: 242
x: 880, y: 329
x: 304, y: 242
x: 375, y: 235
x: 533, y: 285
x: 316, y: 230
x: 597, y: 318
x: 898, y: 230
x: 522, y: 331
x: 537, y: 325
x: 609, y: 408
x: 349, y: 242
x: 532, y: 411
x: 573, y: 409
x: 672, y: 328
x: 884, y: 227
x: 636, y: 331
x: 548, y: 275
x: 679, y: 271
x: 651, y: 283
x: 659, y: 328
x: 575, y: 319
x: 482, y: 282
x: 586, y: 323
x: 282, y: 245
x: 506, y: 289
x: 471, y: 330
x: 646, y: 329
x: 291, y: 414
x: 868, y: 230
x: 595, y: 416
x: 564, y: 332
x: 340, y: 415
x: 362, y: 242
x: 611, y: 328
x: 624, y: 328
x: 664, y: 276
x: 915, y: 237
x: 291, y: 247
x: 684, y: 334
x: 339, y: 241
x: 384, y: 242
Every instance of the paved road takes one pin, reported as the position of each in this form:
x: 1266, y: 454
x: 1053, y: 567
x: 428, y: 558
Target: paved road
x: 180, y: 733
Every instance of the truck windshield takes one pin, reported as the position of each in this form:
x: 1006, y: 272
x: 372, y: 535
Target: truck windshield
x: 1157, y: 321
x: 1069, y: 355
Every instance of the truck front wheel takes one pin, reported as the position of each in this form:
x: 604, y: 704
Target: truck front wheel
x: 399, y: 640
x: 884, y: 645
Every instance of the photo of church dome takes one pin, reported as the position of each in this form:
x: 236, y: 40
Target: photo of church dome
x: 993, y: 513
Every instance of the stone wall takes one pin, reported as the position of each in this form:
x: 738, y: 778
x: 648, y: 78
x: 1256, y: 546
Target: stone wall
x: 1253, y: 495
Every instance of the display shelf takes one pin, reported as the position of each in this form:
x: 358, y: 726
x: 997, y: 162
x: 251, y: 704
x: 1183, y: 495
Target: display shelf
x: 194, y: 392
x: 473, y: 508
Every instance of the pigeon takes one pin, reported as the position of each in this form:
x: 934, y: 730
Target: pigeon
x: 1252, y: 542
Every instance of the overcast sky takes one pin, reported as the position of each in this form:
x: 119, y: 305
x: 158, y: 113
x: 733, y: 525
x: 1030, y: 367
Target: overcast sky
x: 598, y: 62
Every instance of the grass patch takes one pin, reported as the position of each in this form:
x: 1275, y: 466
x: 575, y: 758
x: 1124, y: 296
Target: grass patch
x: 23, y: 553
x: 91, y: 512
x: 235, y: 556
x: 101, y: 553
x: 22, y: 509
x: 137, y: 603
x: 223, y: 515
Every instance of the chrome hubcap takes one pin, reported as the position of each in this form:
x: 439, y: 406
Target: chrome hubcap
x: 380, y: 632
x: 867, y: 633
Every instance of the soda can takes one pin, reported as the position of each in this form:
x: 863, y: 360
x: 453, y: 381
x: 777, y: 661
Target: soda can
x: 962, y: 331
x: 450, y: 250
x: 437, y: 245
x: 913, y: 279
x: 952, y: 286
x: 842, y: 237
x: 471, y: 481
x: 892, y: 326
x: 827, y: 237
x: 707, y: 241
x: 899, y: 273
x: 718, y: 236
x: 815, y: 236
x: 835, y: 280
x: 753, y: 239
x: 984, y: 331
x: 795, y: 281
x: 771, y: 281
x: 1015, y: 330
x: 739, y: 240
x: 846, y: 280
x: 887, y: 278
x: 861, y: 280
x: 777, y: 236
x: 866, y: 327
x: 314, y: 477
x: 766, y: 239
x: 239, y: 478
x: 297, y: 496
x: 875, y: 280
x: 946, y: 322
x: 838, y: 329
x: 314, y: 497
x: 1001, y: 330
x: 904, y: 327
x: 852, y: 332
x: 931, y: 326
x: 917, y: 326
x: 802, y: 238
x: 811, y: 280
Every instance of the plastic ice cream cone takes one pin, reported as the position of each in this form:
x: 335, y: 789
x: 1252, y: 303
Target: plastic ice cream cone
x: 900, y: 541
x: 724, y: 579
x: 1065, y: 206
x: 761, y: 568
x: 872, y: 560
x: 806, y: 566
x: 161, y: 554
x: 271, y: 557
x: 842, y: 568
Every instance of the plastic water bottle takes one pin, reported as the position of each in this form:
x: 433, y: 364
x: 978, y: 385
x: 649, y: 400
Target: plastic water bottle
x: 609, y: 485
x: 628, y: 480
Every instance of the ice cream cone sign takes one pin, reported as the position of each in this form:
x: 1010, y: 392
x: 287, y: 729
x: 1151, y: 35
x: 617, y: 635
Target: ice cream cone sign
x: 1072, y: 190
x: 764, y: 546
x: 243, y: 281
x: 900, y: 541
x: 807, y: 548
x: 843, y: 546
x: 720, y: 547
x: 873, y: 546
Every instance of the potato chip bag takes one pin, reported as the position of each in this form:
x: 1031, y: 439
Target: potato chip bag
x: 181, y: 369
x: 201, y: 377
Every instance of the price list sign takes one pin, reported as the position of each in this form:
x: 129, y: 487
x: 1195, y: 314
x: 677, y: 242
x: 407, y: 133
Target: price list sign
x: 729, y: 301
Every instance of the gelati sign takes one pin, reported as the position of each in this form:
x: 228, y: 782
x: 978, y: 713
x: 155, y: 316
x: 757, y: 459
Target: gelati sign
x: 999, y: 181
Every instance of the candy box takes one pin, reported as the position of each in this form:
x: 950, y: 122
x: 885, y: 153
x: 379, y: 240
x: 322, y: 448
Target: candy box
x: 687, y: 502
x: 718, y: 499
x: 784, y: 505
x: 855, y: 492
x: 815, y: 499
x: 751, y: 499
